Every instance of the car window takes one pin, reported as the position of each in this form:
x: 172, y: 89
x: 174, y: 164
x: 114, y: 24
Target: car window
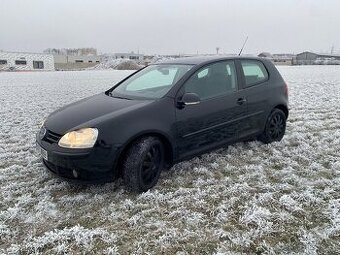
x: 152, y: 79
x: 213, y: 80
x: 254, y: 72
x: 152, y: 82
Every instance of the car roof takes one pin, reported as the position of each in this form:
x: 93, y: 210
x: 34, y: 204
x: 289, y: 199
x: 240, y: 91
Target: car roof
x: 204, y: 59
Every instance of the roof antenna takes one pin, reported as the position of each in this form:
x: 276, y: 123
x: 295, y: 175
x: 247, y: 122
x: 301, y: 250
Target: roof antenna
x: 243, y: 46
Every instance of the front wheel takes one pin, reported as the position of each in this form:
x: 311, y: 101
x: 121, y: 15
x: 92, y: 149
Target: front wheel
x: 143, y: 164
x: 275, y: 127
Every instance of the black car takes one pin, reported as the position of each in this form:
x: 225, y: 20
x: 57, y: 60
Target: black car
x: 163, y: 114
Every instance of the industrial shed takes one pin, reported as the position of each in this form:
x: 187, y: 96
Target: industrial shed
x: 311, y: 58
x: 24, y: 61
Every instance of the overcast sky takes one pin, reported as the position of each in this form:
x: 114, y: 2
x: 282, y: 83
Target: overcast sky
x: 171, y: 27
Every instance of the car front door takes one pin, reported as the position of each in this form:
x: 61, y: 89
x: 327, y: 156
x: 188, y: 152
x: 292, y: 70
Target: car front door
x: 215, y: 119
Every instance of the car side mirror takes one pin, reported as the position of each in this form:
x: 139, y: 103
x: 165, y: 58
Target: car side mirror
x: 189, y: 99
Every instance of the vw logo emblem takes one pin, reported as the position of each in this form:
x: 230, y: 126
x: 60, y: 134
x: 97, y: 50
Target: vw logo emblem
x: 42, y: 133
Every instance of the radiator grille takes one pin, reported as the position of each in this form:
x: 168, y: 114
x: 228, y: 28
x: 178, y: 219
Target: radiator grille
x: 52, y: 137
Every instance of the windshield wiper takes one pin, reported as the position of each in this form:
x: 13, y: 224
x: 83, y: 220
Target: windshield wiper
x: 116, y: 96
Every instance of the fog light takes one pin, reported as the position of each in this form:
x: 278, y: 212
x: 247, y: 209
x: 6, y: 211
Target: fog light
x: 75, y: 174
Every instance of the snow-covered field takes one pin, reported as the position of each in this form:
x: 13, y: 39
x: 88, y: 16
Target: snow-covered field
x: 245, y: 198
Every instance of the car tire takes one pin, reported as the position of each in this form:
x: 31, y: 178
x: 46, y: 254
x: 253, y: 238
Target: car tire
x: 143, y: 163
x: 275, y: 127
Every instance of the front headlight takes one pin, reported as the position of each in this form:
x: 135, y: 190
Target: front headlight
x: 80, y: 139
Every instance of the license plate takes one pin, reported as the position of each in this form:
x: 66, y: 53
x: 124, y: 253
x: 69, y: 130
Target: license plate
x: 42, y: 152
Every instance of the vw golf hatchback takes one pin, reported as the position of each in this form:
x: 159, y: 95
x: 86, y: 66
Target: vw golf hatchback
x: 163, y: 114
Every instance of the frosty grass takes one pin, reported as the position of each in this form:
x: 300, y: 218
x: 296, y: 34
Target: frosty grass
x: 246, y: 198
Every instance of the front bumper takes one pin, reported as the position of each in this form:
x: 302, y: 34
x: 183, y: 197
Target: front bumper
x: 95, y: 165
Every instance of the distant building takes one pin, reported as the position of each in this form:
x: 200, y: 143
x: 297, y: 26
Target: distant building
x: 64, y: 59
x: 74, y: 59
x: 278, y: 59
x: 24, y: 61
x: 311, y: 58
x: 265, y: 55
x: 73, y: 52
x: 69, y: 62
x: 131, y: 56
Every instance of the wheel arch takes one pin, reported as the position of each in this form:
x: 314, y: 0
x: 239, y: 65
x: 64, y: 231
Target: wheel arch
x: 165, y: 139
x: 283, y: 108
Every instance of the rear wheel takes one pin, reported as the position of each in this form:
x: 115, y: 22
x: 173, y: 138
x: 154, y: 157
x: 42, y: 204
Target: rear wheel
x: 275, y: 127
x: 143, y: 164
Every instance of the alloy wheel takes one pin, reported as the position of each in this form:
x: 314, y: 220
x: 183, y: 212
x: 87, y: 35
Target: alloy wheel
x: 151, y: 164
x: 276, y: 126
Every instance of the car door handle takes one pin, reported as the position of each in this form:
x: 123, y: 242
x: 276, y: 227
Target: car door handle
x: 241, y: 101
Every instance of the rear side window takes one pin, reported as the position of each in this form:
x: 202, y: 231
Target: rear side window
x: 254, y: 72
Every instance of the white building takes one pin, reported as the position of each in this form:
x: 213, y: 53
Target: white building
x: 24, y: 61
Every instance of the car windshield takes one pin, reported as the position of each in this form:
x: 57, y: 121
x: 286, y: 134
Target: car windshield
x: 152, y: 82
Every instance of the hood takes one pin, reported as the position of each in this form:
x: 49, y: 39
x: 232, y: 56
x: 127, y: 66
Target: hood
x: 88, y: 110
